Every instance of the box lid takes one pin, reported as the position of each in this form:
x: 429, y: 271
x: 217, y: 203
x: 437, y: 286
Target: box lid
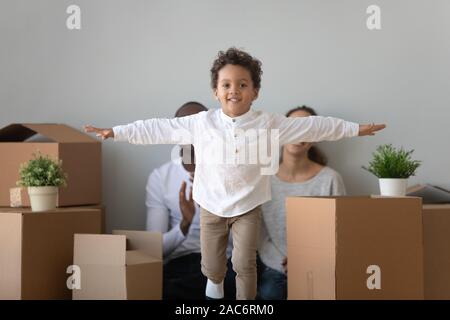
x: 60, y: 133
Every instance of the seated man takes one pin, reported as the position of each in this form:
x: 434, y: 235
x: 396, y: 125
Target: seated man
x: 172, y: 211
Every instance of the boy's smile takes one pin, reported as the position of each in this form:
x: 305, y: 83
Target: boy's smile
x: 235, y: 90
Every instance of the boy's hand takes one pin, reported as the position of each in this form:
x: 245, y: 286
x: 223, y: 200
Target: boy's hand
x: 370, y: 129
x: 102, y: 133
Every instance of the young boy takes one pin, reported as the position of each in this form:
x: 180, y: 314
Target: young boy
x: 229, y: 185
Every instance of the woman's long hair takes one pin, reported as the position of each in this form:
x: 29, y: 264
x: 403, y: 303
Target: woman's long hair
x: 314, y: 153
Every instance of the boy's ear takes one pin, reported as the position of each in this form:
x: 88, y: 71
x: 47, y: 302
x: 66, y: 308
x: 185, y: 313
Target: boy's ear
x: 256, y: 94
x: 215, y: 94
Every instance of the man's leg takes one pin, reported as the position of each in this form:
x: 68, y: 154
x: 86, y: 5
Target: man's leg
x: 213, y: 243
x: 182, y: 278
x: 245, y: 231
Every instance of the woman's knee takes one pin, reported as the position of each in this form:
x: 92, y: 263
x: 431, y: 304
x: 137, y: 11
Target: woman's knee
x: 272, y: 286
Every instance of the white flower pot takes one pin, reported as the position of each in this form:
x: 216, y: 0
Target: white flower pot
x: 43, y: 198
x: 393, y: 187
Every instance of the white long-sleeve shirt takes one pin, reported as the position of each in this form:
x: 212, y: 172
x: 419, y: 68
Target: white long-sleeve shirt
x: 164, y: 214
x: 229, y: 181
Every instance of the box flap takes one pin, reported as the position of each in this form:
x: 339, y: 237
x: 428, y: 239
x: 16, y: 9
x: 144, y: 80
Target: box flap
x: 104, y: 249
x: 15, y: 133
x: 139, y: 257
x: 55, y: 132
x: 429, y: 194
x: 311, y: 222
x: 145, y: 241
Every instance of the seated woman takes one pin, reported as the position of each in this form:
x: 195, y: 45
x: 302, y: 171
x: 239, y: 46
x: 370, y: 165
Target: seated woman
x: 302, y: 172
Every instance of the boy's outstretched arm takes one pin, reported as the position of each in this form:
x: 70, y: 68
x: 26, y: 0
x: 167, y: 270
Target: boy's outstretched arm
x: 370, y: 129
x: 99, y: 132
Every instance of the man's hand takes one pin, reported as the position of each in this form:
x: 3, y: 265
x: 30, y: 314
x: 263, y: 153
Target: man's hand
x: 284, y: 264
x: 187, y: 207
x: 370, y: 129
x: 102, y: 133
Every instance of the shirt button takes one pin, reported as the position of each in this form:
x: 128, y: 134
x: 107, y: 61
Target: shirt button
x: 237, y: 150
x: 234, y: 120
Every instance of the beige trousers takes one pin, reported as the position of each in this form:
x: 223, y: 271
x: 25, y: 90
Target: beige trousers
x: 214, y: 232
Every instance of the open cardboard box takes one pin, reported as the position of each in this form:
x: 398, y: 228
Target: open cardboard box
x: 36, y: 248
x: 355, y: 248
x: 126, y: 265
x: 80, y: 153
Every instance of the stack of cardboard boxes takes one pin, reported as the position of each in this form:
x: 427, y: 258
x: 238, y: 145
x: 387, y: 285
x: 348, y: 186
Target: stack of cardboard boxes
x: 367, y: 248
x: 38, y: 254
x: 36, y: 248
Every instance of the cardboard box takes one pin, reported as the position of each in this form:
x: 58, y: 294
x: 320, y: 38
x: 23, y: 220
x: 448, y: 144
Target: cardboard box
x: 125, y: 265
x: 436, y: 233
x: 36, y: 249
x: 355, y: 248
x: 80, y: 153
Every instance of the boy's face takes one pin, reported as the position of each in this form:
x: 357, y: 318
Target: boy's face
x: 235, y: 90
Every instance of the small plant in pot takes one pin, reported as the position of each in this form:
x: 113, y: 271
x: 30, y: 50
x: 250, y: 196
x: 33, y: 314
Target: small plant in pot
x: 393, y: 167
x: 43, y: 176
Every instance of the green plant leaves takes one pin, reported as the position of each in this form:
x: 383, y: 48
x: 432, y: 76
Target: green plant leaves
x: 41, y: 171
x: 389, y: 162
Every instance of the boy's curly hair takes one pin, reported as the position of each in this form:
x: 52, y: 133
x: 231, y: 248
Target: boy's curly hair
x: 238, y: 57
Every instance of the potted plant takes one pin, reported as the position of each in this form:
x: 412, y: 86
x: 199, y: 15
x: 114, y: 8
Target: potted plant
x: 42, y: 176
x: 393, y: 167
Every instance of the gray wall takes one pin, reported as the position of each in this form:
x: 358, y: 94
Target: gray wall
x: 141, y: 59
